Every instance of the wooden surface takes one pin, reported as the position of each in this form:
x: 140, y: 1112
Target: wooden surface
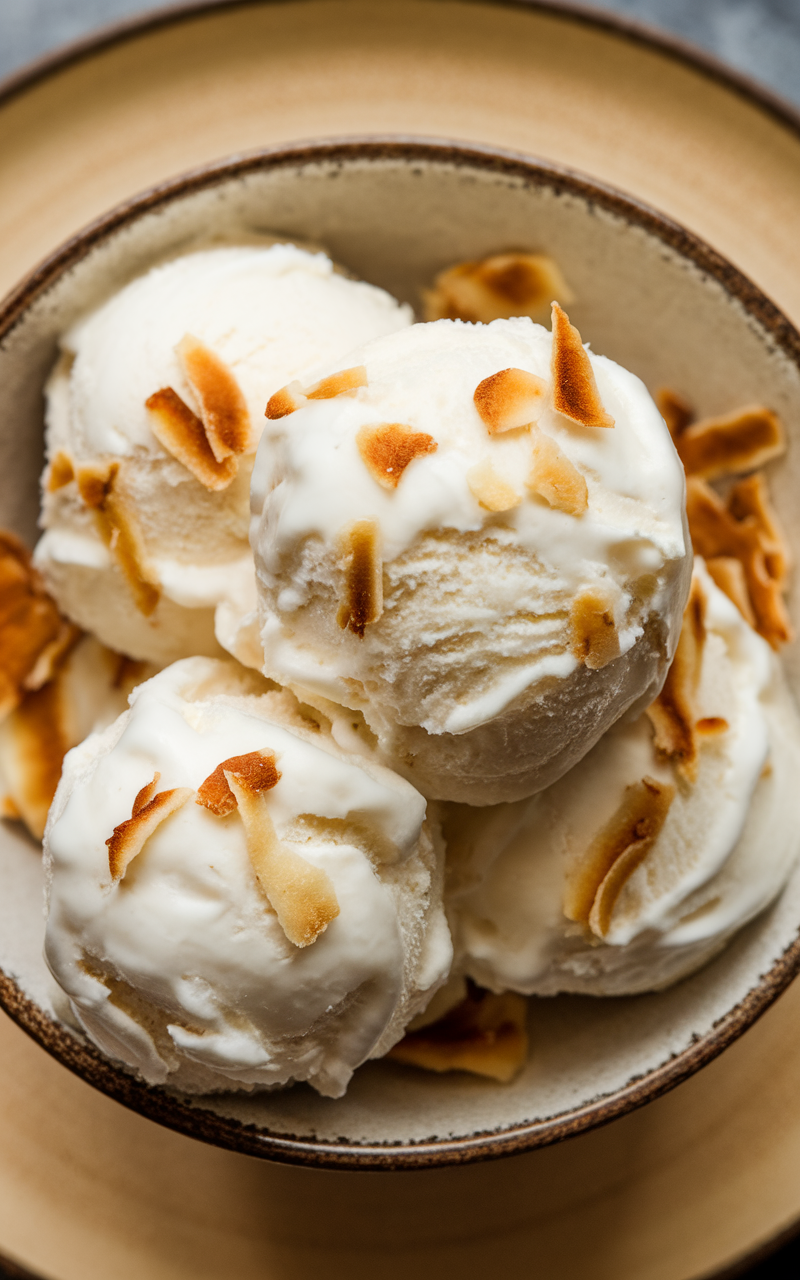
x: 672, y: 1192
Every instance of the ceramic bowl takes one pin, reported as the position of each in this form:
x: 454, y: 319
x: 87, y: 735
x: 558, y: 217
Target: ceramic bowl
x: 649, y: 295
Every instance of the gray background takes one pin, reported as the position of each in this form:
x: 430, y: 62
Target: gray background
x: 760, y: 37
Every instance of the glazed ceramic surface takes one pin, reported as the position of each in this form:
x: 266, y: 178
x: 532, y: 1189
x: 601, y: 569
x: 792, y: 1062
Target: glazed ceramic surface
x: 649, y: 296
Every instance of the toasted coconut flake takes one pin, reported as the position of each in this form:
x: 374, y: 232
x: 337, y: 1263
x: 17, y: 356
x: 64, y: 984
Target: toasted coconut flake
x: 676, y: 412
x: 257, y: 770
x: 60, y: 472
x: 728, y: 574
x: 737, y: 442
x: 51, y: 657
x: 490, y: 489
x: 387, y: 450
x: 39, y: 741
x: 750, y: 498
x: 223, y: 408
x: 129, y: 838
x: 715, y: 532
x: 575, y: 393
x: 593, y: 632
x: 496, y: 288
x: 712, y: 726
x: 146, y: 794
x: 363, y: 567
x: 673, y: 715
x: 486, y: 1035
x: 302, y: 895
x: 595, y: 883
x: 33, y: 635
x: 182, y: 434
x: 9, y: 809
x: 98, y: 485
x: 95, y: 481
x: 344, y: 383
x: 555, y: 478
x: 285, y: 401
x: 510, y: 399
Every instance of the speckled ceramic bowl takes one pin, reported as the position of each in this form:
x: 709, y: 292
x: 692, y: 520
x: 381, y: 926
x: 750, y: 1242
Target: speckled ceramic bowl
x: 649, y: 295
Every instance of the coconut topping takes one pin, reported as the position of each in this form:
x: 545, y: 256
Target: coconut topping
x: 510, y: 399
x: 496, y: 288
x: 150, y: 808
x: 673, y: 715
x: 575, y: 393
x: 302, y: 895
x: 257, y: 770
x: 485, y: 1034
x: 389, y: 448
x: 363, y: 566
x: 223, y: 408
x: 676, y: 412
x: 33, y: 635
x: 490, y: 489
x: 593, y: 631
x: 99, y: 489
x: 294, y: 396
x: 728, y: 573
x: 727, y: 445
x: 60, y: 472
x: 179, y: 430
x: 593, y: 886
x: 555, y: 478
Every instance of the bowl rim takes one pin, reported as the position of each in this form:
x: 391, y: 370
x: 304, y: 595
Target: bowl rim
x: 192, y: 1118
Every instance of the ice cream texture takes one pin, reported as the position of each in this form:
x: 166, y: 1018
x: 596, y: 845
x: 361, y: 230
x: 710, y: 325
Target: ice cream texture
x: 234, y: 900
x: 481, y: 548
x: 636, y: 868
x: 153, y: 414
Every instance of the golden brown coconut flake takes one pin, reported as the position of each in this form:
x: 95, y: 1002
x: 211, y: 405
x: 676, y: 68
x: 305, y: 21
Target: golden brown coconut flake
x: 98, y: 485
x: 223, y: 408
x: 594, y: 884
x: 360, y: 545
x: 486, y: 1035
x: 128, y: 839
x: 594, y: 640
x: 490, y: 489
x: 386, y: 450
x: 301, y: 895
x: 555, y: 478
x: 510, y: 399
x: 257, y: 770
x: 496, y: 288
x: 33, y: 635
x: 749, y: 498
x: 730, y: 444
x: 178, y: 430
x: 40, y: 742
x: 728, y: 574
x: 676, y: 412
x: 716, y: 532
x: 344, y: 383
x: 575, y: 393
x: 286, y: 401
x: 673, y: 715
x: 60, y: 473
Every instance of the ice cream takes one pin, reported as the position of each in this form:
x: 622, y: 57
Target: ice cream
x: 235, y: 901
x: 480, y: 546
x: 639, y: 865
x: 153, y: 415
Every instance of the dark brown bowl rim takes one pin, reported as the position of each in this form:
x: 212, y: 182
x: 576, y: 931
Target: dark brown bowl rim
x: 192, y: 1119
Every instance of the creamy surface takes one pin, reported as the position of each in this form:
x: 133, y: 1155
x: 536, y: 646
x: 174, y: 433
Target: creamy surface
x: 727, y: 846
x: 271, y: 313
x: 182, y: 969
x: 476, y: 604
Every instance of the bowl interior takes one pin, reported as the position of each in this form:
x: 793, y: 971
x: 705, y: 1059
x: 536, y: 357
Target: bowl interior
x: 649, y: 296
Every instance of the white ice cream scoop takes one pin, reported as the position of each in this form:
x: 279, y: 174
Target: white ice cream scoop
x: 636, y: 868
x: 153, y: 415
x: 481, y: 547
x: 234, y: 901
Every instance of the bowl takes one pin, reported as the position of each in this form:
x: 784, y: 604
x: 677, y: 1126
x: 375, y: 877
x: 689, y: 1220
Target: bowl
x: 648, y: 294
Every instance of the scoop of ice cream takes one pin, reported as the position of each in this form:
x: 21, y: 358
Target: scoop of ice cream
x: 635, y: 869
x: 153, y: 415
x: 490, y: 581
x: 234, y: 901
